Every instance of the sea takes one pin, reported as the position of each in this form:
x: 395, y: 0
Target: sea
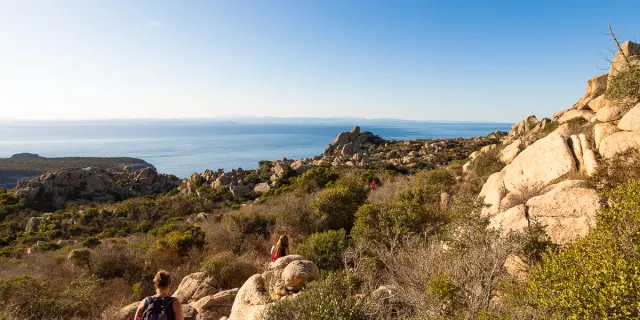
x: 182, y: 147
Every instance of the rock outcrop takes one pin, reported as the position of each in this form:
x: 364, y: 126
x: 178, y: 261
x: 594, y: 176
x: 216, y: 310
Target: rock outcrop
x: 282, y: 279
x: 530, y: 189
x: 542, y: 162
x: 57, y: 188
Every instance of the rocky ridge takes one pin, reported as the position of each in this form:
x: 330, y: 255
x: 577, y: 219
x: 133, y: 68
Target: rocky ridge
x: 354, y: 148
x: 548, y: 160
x: 83, y: 185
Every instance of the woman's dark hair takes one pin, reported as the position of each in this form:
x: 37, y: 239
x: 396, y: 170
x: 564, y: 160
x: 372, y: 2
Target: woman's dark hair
x: 162, y: 280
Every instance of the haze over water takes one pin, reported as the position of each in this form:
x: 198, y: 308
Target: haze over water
x: 181, y: 147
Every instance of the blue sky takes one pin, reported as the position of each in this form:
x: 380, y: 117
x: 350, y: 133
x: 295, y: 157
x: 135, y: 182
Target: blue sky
x: 419, y: 60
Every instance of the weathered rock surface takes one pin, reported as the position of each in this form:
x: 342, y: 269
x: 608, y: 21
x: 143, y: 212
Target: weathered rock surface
x: 194, y: 287
x: 572, y: 114
x: 566, y: 214
x: 542, y: 162
x: 619, y: 142
x: 632, y: 51
x: 603, y: 130
x: 631, y: 120
x: 514, y: 219
x: 510, y: 151
x: 610, y: 112
x: 280, y: 281
x: 215, y: 306
x: 296, y: 273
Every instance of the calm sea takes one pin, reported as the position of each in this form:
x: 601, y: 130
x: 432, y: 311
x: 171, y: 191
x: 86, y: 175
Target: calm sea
x: 181, y: 147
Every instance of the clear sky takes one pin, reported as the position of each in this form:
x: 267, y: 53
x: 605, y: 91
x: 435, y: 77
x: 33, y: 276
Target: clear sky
x: 421, y: 60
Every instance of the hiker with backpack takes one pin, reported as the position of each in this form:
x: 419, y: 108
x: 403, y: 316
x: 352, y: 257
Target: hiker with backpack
x: 281, y: 248
x: 160, y: 306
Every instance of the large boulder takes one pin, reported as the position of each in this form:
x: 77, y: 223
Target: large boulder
x: 215, y: 306
x: 281, y: 281
x: 261, y: 188
x: 603, y: 130
x: 610, y: 112
x: 597, y: 85
x: 542, y: 162
x: 342, y: 138
x: 632, y: 51
x: 492, y: 191
x: 619, y: 142
x: 572, y: 114
x: 510, y: 151
x: 195, y: 286
x: 566, y: 214
x: 514, y: 219
x: 33, y: 224
x: 598, y: 103
x: 239, y: 191
x: 297, y: 273
x: 631, y: 120
x: 126, y: 313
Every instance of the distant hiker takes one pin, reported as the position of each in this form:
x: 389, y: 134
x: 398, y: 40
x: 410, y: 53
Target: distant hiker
x: 281, y: 248
x: 160, y: 306
x: 373, y: 185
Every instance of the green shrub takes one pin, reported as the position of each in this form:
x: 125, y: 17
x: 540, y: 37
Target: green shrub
x: 325, y: 249
x: 80, y: 257
x: 330, y: 298
x: 550, y: 127
x: 619, y: 169
x: 91, y: 242
x: 480, y: 168
x: 442, y: 287
x: 182, y: 242
x: 245, y: 226
x: 624, y: 87
x: 117, y: 262
x: 227, y: 269
x: 597, y: 277
x: 337, y: 206
x: 315, y: 179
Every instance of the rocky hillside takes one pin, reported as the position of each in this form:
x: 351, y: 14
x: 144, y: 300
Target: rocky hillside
x: 27, y: 165
x: 354, y: 148
x: 59, y: 188
x: 548, y: 161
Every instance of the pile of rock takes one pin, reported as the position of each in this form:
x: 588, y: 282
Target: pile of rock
x: 282, y: 280
x: 537, y: 184
x: 238, y: 180
x: 202, y: 301
x: 83, y: 185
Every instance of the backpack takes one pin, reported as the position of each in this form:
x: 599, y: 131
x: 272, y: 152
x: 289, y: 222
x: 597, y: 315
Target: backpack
x: 158, y: 308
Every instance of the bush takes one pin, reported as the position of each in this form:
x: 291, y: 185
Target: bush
x: 598, y: 276
x: 315, y: 179
x: 228, y: 270
x: 325, y: 249
x: 80, y: 257
x: 624, y: 87
x: 621, y: 168
x: 246, y: 226
x: 182, y: 242
x: 115, y: 261
x: 480, y: 168
x: 91, y: 242
x: 337, y: 206
x: 330, y: 298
